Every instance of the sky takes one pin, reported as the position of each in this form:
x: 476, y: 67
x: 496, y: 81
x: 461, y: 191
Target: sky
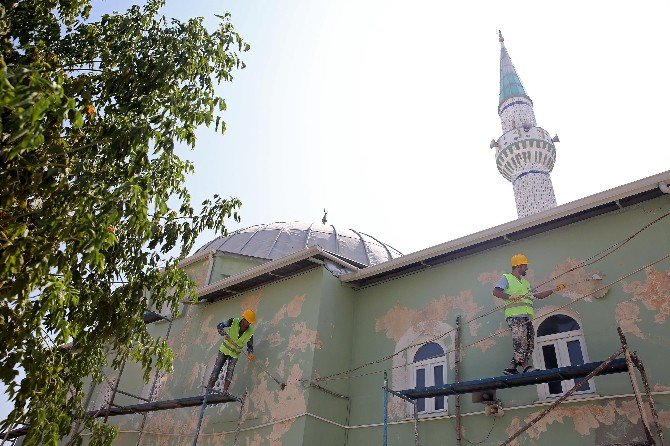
x: 382, y: 111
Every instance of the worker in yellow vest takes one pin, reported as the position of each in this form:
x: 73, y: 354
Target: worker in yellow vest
x: 518, y: 295
x: 236, y: 333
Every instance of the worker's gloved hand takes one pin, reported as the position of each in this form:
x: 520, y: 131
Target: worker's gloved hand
x: 221, y: 328
x: 559, y: 287
x: 514, y: 298
x: 250, y: 356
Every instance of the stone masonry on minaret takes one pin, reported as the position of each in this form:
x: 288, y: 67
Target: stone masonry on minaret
x: 525, y: 153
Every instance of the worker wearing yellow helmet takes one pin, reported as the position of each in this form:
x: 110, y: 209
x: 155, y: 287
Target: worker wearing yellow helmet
x: 518, y: 295
x: 236, y: 333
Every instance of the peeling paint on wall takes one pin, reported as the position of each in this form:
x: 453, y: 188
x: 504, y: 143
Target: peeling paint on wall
x: 251, y: 300
x: 180, y: 339
x: 599, y: 418
x: 267, y: 402
x: 284, y: 329
x: 399, y: 319
x: 302, y: 338
x: 405, y: 349
x: 273, y: 339
x: 198, y: 272
x: 627, y: 315
x: 274, y: 438
x: 411, y: 328
x: 654, y: 292
x: 490, y: 277
x: 578, y: 283
x: 292, y: 309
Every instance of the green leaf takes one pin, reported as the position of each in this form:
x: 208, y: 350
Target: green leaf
x: 91, y: 111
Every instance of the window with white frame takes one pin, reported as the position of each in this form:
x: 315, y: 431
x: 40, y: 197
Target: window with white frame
x: 560, y: 343
x: 429, y: 368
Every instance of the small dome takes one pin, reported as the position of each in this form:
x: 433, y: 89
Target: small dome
x: 276, y: 240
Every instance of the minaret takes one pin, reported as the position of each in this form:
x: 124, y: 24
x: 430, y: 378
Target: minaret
x: 525, y: 153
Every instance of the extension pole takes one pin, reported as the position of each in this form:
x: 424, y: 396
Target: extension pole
x: 647, y: 389
x: 636, y: 389
x: 386, y: 408
x: 202, y: 412
x: 457, y: 370
x: 239, y: 418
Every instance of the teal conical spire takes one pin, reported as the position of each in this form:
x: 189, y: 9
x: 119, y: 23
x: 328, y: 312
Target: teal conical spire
x: 510, y: 84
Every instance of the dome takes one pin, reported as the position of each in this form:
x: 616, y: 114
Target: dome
x: 275, y: 240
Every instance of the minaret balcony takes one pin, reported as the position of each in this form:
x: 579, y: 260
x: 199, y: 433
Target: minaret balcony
x: 520, y: 134
x: 526, y: 153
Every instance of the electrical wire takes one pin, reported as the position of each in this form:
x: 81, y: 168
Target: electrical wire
x: 607, y: 251
x: 493, y: 425
x: 345, y: 375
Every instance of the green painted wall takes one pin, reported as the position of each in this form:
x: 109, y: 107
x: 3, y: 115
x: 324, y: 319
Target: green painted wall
x: 311, y: 325
x: 336, y: 321
x: 230, y: 266
x: 285, y: 340
x: 198, y: 271
x: 416, y: 303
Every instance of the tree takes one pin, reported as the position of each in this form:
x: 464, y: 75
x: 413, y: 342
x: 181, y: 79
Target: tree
x: 93, y: 202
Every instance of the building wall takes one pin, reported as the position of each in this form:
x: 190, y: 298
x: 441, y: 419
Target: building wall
x: 335, y: 328
x: 311, y: 326
x: 394, y: 315
x: 285, y: 341
x: 198, y: 271
x: 230, y: 266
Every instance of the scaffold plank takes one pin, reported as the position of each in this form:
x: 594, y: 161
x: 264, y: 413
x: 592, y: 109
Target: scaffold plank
x: 191, y: 401
x: 523, y: 379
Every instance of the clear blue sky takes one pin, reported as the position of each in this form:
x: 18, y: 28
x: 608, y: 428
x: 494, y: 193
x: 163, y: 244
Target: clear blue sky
x: 382, y: 111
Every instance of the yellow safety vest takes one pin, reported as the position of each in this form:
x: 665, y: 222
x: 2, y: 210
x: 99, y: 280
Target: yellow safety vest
x: 523, y: 306
x: 233, y: 342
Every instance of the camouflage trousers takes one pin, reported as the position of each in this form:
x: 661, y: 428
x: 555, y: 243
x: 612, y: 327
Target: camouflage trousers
x: 220, y: 360
x: 523, y: 338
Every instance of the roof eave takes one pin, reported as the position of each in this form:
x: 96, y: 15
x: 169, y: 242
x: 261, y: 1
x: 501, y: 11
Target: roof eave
x: 582, y: 209
x: 269, y: 272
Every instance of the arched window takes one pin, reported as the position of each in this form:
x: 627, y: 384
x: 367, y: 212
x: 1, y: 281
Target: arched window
x: 429, y: 369
x: 560, y: 343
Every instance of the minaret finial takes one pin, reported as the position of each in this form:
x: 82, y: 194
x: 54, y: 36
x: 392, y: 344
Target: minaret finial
x: 324, y: 220
x: 501, y: 39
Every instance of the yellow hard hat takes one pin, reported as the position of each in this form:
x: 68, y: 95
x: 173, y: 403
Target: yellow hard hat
x: 519, y: 259
x: 250, y: 316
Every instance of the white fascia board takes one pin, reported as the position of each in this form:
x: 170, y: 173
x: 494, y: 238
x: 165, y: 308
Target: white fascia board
x: 611, y: 195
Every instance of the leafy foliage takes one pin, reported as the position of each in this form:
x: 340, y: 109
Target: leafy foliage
x: 93, y: 201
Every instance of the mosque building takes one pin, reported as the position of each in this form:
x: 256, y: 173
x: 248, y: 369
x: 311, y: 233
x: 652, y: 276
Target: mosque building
x: 338, y: 311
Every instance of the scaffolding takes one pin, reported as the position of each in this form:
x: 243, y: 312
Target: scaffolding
x: 628, y: 363
x: 209, y: 398
x: 212, y: 398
